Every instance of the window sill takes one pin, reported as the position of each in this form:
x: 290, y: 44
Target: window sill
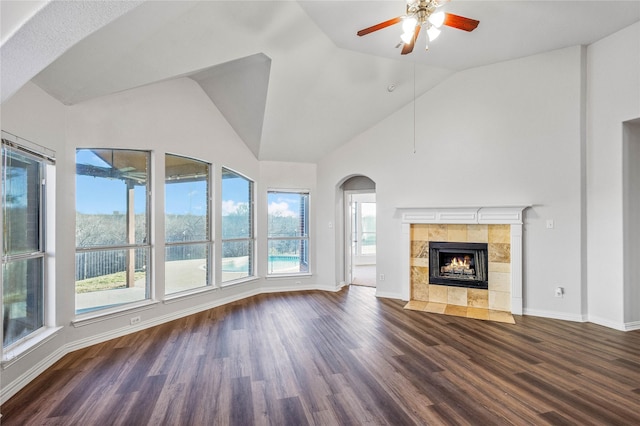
x: 175, y: 297
x: 32, y: 343
x: 95, y: 317
x: 239, y: 281
x: 292, y: 276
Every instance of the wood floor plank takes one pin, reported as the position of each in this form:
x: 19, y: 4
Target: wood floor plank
x: 344, y: 358
x: 241, y: 401
x: 291, y: 413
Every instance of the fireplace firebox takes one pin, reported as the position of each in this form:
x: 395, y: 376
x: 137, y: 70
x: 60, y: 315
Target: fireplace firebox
x: 459, y: 264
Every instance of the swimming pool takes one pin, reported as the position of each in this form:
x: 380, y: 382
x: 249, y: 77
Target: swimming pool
x: 276, y: 264
x: 283, y: 264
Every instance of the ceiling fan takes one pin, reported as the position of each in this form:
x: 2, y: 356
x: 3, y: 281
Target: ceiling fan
x: 423, y: 13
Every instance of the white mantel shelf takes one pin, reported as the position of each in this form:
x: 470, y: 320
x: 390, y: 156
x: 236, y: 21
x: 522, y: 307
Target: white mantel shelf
x: 463, y: 215
x: 502, y: 215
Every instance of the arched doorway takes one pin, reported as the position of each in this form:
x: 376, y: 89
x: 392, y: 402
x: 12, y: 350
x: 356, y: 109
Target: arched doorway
x: 359, y: 219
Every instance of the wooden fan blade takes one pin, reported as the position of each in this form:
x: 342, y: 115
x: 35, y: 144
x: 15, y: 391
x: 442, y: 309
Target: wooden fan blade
x: 408, y: 48
x: 380, y: 26
x: 460, y: 22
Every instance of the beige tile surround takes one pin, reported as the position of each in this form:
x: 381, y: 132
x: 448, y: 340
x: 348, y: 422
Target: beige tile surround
x: 496, y: 298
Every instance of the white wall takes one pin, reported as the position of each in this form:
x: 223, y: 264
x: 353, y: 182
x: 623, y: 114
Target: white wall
x: 613, y: 98
x: 505, y: 134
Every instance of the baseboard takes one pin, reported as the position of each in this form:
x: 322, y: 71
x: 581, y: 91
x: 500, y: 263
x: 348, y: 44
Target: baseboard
x: 298, y: 287
x: 555, y: 315
x: 389, y: 295
x: 621, y: 326
x: 631, y: 326
x: 628, y: 326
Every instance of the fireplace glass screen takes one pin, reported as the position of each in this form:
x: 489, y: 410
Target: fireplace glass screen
x: 458, y: 264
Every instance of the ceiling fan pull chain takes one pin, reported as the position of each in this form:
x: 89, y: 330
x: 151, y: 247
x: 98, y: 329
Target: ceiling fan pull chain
x: 414, y: 107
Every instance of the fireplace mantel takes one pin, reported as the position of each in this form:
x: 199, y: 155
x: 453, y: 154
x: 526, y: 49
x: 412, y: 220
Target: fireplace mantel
x: 502, y: 215
x: 463, y: 215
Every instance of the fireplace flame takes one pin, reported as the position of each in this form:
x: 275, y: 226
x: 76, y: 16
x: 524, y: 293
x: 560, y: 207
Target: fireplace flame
x: 458, y: 262
x: 458, y: 265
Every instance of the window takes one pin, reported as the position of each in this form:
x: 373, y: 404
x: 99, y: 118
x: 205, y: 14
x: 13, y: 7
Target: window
x: 288, y: 232
x: 237, y: 226
x: 23, y: 245
x: 366, y: 228
x: 187, y: 234
x: 112, y: 228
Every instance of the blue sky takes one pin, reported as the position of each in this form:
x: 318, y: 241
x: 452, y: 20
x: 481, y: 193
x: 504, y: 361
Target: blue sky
x: 180, y: 198
x: 283, y: 204
x: 106, y: 196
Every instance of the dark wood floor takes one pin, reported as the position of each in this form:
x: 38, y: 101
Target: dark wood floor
x: 341, y: 358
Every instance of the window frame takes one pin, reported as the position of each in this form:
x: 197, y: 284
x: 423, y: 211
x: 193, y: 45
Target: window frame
x: 45, y: 159
x: 250, y: 239
x: 145, y: 245
x: 209, y: 241
x: 306, y: 238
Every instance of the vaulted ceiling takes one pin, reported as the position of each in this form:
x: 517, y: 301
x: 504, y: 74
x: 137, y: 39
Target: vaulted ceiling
x: 291, y: 77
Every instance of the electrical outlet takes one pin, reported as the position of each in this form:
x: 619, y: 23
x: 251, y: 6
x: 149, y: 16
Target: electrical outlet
x: 135, y: 320
x: 381, y: 277
x: 559, y: 291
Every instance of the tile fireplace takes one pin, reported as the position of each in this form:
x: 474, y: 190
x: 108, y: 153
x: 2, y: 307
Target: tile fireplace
x: 499, y: 229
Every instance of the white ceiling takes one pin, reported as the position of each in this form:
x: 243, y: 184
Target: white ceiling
x: 316, y: 83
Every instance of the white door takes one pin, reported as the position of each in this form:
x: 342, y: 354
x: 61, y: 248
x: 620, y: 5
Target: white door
x: 360, y: 237
x: 350, y: 235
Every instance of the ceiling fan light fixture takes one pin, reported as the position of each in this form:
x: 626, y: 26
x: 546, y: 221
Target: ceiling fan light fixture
x: 437, y: 19
x: 409, y: 24
x: 433, y: 33
x: 419, y: 14
x: 407, y: 37
x: 408, y: 28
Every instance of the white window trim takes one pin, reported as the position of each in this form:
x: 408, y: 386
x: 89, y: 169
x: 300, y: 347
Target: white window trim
x: 307, y: 238
x: 239, y: 281
x: 186, y: 294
